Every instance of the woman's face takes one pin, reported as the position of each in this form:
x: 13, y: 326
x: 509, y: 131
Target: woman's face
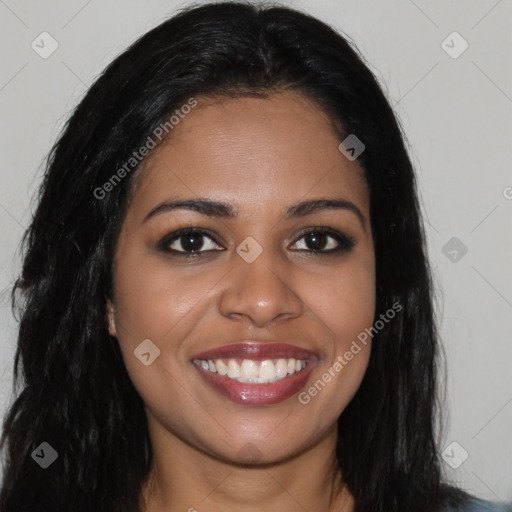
x: 259, y: 280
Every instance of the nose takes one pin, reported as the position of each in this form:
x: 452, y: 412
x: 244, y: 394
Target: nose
x: 259, y: 292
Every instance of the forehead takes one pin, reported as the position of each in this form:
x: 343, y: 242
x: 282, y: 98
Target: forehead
x: 251, y: 151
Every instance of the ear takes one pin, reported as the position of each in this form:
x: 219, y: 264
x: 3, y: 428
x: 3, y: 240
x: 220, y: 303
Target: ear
x: 111, y: 311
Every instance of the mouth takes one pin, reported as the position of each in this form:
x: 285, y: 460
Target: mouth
x: 255, y: 373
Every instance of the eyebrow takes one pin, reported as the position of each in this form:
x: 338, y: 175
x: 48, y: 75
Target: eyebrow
x: 223, y: 210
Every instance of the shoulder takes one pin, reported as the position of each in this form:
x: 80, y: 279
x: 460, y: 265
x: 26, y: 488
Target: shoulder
x: 478, y: 505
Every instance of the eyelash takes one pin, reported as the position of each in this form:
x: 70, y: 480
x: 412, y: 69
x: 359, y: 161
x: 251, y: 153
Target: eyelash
x: 345, y: 242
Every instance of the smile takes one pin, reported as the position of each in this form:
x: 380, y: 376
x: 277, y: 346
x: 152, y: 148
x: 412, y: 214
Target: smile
x: 255, y: 373
x: 252, y: 371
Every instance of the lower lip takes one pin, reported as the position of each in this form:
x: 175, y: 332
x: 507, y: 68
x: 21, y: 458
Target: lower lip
x: 257, y: 394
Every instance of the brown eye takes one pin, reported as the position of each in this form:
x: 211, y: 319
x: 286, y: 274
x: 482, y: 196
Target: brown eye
x: 189, y: 242
x: 325, y: 241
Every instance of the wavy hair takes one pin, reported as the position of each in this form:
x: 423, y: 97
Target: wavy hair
x: 72, y: 388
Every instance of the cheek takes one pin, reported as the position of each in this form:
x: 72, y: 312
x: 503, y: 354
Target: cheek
x: 344, y: 302
x: 343, y: 299
x: 355, y: 314
x: 153, y: 298
x: 165, y: 305
x: 156, y: 303
x: 354, y: 306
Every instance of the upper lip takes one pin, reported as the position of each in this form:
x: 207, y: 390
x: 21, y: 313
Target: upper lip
x: 256, y: 351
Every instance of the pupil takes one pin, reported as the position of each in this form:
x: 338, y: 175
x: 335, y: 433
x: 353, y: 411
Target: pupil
x: 317, y: 241
x: 192, y: 242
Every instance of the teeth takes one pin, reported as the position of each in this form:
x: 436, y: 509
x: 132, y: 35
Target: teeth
x: 221, y: 367
x: 267, y: 370
x: 233, y: 369
x: 254, y: 371
x: 281, y: 368
x: 249, y: 369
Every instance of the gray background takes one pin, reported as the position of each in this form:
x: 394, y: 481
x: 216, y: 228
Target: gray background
x: 456, y: 113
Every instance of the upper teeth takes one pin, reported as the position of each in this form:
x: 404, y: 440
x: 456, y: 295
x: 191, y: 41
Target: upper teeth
x: 253, y: 371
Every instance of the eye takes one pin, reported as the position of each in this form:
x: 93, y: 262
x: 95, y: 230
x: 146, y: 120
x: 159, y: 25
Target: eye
x: 192, y: 242
x: 324, y: 240
x: 189, y: 242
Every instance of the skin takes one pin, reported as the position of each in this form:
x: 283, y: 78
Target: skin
x: 260, y: 156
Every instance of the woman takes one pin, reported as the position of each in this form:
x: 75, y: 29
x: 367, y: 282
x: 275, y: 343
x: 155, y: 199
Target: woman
x: 226, y: 299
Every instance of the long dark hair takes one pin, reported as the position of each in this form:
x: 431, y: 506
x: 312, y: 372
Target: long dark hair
x: 72, y: 387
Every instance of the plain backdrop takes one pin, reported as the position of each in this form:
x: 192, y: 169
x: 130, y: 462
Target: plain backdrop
x: 455, y: 106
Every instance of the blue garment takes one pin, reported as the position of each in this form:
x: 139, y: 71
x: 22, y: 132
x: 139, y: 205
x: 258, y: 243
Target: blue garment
x: 477, y: 505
